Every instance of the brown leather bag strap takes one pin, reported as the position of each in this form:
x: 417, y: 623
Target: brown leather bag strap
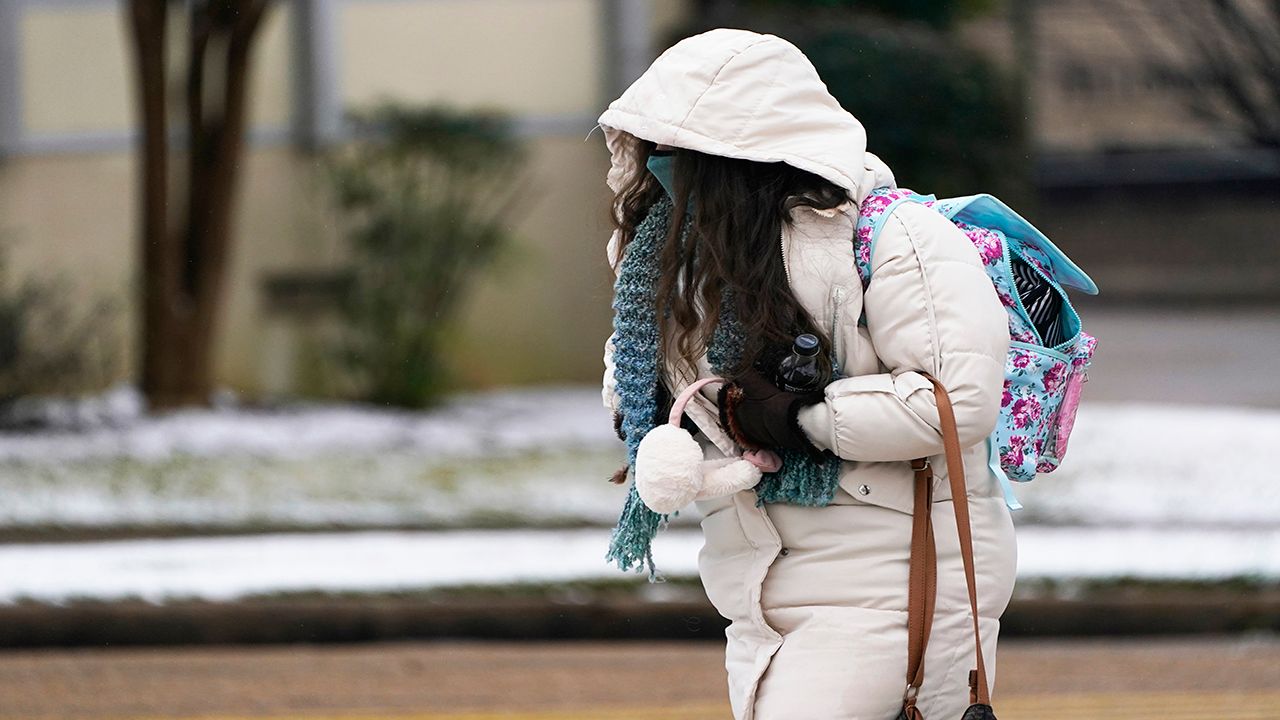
x: 922, y: 576
x: 921, y: 585
x: 978, y: 691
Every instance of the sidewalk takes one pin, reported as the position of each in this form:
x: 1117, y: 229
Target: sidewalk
x: 1203, y: 679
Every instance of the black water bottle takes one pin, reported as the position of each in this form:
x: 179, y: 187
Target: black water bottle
x: 800, y: 371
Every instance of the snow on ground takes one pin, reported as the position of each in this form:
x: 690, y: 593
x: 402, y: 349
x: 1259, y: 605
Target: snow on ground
x: 227, y: 568
x: 377, y: 489
x: 1148, y: 490
x: 1140, y: 463
x: 509, y: 457
x: 541, y: 455
x: 467, y: 425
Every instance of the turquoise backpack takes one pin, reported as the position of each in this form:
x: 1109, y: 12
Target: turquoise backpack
x: 1042, y: 383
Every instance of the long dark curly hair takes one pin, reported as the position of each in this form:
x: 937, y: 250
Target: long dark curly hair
x: 740, y: 207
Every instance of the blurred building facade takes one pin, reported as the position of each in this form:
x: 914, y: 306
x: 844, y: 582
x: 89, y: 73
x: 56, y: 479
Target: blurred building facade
x: 1157, y: 182
x: 68, y: 201
x: 67, y: 181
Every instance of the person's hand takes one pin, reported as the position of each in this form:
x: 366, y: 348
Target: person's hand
x: 759, y: 415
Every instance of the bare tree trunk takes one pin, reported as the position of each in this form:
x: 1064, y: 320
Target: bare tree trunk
x: 148, y: 24
x: 184, y: 267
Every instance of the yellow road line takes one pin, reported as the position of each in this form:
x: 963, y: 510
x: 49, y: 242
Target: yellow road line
x: 682, y: 712
x: 1263, y: 705
x: 1143, y: 706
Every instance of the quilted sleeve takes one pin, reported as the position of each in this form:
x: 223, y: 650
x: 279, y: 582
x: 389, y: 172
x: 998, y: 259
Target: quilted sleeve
x: 608, y: 392
x: 929, y: 307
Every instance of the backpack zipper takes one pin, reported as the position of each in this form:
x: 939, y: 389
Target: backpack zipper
x: 782, y: 243
x: 1035, y: 331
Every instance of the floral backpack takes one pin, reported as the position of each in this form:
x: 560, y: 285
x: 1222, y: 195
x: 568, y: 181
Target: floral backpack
x: 1049, y: 351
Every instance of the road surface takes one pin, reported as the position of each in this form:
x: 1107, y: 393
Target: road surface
x: 1159, y: 679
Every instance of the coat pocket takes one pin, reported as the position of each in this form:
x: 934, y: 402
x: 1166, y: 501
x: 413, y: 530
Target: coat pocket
x: 725, y: 558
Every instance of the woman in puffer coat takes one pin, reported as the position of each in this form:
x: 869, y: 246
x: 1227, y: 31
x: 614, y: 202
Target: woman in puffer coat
x: 817, y: 596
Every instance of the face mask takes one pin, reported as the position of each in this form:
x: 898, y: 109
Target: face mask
x: 663, y: 167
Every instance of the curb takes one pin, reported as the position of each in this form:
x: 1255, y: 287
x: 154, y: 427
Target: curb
x: 330, y: 619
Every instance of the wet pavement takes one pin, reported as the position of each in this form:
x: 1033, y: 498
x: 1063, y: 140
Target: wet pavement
x: 1219, y: 356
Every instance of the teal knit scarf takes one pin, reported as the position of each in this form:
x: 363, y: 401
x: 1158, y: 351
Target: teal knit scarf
x: 800, y: 481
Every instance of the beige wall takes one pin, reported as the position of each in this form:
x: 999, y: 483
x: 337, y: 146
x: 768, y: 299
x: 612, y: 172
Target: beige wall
x: 77, y: 70
x: 542, y: 315
x: 74, y: 65
x: 539, y: 316
x: 67, y: 218
x: 669, y: 15
x: 542, y: 57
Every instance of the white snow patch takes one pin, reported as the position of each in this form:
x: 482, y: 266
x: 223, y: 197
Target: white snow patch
x: 544, y: 454
x: 467, y: 424
x: 227, y: 568
x: 1162, y: 464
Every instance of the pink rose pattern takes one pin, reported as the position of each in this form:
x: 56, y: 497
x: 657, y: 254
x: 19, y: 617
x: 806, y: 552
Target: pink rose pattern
x: 1027, y: 430
x: 1035, y: 256
x: 1030, y: 431
x: 869, y: 214
x: 864, y: 253
x: 991, y: 248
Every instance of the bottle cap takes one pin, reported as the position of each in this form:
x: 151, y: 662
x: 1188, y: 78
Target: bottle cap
x: 806, y: 344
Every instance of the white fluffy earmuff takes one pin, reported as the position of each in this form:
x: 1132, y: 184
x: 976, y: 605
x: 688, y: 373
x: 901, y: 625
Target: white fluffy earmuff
x: 670, y: 470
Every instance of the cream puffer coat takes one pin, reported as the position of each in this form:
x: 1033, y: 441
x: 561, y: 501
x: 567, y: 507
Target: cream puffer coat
x: 817, y: 597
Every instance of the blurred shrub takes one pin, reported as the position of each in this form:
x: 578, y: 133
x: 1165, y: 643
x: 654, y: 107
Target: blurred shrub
x: 937, y: 13
x: 944, y: 118
x: 47, y: 345
x: 426, y: 195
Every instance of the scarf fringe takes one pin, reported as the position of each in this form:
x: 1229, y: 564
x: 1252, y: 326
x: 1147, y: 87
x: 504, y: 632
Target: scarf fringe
x: 631, y: 542
x: 619, y: 476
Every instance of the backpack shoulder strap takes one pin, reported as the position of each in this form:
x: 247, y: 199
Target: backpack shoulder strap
x: 872, y: 214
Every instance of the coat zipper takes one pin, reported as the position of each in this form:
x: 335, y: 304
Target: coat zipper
x: 837, y: 297
x: 782, y: 242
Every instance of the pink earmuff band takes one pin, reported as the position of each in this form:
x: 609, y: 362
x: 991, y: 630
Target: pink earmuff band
x: 766, y: 460
x: 677, y: 408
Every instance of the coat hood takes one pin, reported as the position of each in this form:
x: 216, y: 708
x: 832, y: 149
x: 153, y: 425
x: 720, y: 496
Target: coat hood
x: 748, y: 95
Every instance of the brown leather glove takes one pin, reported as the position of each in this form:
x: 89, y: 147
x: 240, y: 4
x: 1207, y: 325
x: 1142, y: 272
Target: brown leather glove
x: 760, y: 416
x: 617, y: 426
